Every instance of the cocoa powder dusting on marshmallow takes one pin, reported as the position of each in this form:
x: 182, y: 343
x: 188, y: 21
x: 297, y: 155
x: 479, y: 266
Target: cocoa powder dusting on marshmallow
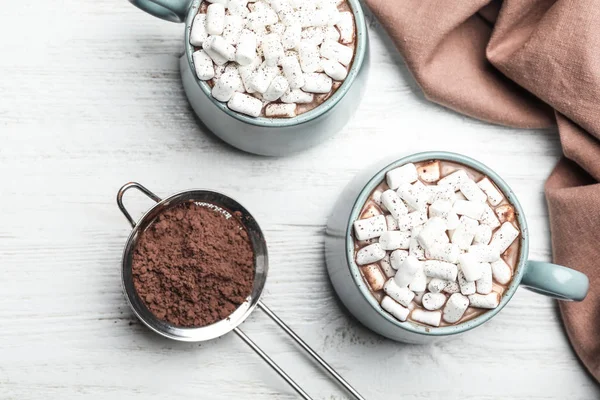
x: 193, y: 266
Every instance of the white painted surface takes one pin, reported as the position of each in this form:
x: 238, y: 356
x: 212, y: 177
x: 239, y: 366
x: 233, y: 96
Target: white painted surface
x: 91, y: 98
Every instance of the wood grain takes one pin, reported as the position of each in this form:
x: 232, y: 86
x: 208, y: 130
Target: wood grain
x: 91, y: 98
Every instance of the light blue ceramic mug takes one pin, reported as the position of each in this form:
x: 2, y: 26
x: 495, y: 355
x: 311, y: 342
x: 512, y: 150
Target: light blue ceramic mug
x: 541, y: 277
x: 267, y: 136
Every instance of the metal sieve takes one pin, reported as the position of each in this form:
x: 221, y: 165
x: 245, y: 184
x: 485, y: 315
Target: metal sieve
x: 229, y: 206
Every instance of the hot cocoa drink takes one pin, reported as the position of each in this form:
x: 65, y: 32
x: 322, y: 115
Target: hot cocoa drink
x: 193, y: 265
x: 436, y: 243
x: 276, y: 58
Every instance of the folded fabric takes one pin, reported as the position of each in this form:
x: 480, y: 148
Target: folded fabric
x: 528, y: 64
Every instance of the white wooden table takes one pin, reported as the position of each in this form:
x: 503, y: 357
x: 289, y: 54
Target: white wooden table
x: 90, y: 98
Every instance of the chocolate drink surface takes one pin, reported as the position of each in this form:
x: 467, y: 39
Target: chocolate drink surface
x: 193, y: 265
x: 274, y: 59
x: 436, y: 243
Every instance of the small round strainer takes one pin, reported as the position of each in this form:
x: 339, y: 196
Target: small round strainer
x: 227, y: 206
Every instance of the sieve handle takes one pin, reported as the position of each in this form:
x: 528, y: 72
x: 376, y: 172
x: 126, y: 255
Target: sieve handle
x: 273, y: 364
x: 126, y: 187
x: 310, y: 351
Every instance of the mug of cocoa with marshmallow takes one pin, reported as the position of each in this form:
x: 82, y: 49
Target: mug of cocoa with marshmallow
x: 271, y: 77
x: 432, y: 245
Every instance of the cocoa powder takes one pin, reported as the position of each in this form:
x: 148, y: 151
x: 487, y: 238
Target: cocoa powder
x: 193, y: 266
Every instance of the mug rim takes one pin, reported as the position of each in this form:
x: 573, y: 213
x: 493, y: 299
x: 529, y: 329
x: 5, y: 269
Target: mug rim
x: 408, y: 325
x: 325, y: 107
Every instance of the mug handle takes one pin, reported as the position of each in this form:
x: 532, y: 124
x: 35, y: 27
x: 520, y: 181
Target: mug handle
x: 126, y: 187
x: 556, y: 281
x: 170, y: 10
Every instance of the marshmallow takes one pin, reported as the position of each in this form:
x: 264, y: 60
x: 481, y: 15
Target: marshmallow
x: 370, y: 254
x: 402, y: 295
x: 397, y: 258
x: 392, y: 224
x: 470, y: 266
x: 198, y: 33
x: 337, y: 52
x: 411, y: 220
x: 392, y: 240
x: 245, y: 104
x: 331, y: 33
x: 392, y: 202
x: 432, y: 318
x: 404, y: 174
x: 455, y: 308
x: 451, y: 288
x: 454, y: 180
x: 278, y: 29
x: 491, y: 300
x: 443, y: 209
x: 440, y: 269
x: 203, y: 65
x: 464, y: 234
x: 272, y: 49
x: 483, y: 234
x: 503, y: 237
x: 297, y: 96
x: 493, y: 194
x: 346, y: 27
x: 485, y: 253
x: 373, y: 276
x: 234, y: 24
x: 317, y: 83
x: 436, y: 285
x: 429, y: 172
x: 280, y: 110
x: 505, y: 213
x: 313, y: 35
x: 262, y: 78
x: 433, y: 233
x: 276, y: 89
x: 247, y: 71
x: 444, y: 252
x: 501, y: 271
x: 469, y: 208
x: 416, y: 195
x: 484, y: 284
x: 433, y: 301
x: 466, y: 287
x: 310, y: 61
x: 225, y: 3
x: 472, y: 192
x: 238, y: 7
x: 285, y: 11
x: 407, y: 271
x: 399, y: 312
x: 219, y: 50
x: 489, y: 218
x: 419, y: 282
x: 291, y: 37
x: 445, y: 193
x: 219, y: 70
x: 417, y: 300
x: 335, y: 70
x: 369, y: 228
x: 226, y: 85
x: 246, y: 48
x: 415, y: 249
x: 215, y: 19
x: 386, y: 267
x: 313, y: 18
x: 217, y: 58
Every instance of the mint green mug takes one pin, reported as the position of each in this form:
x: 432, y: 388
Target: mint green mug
x: 267, y: 136
x: 541, y: 277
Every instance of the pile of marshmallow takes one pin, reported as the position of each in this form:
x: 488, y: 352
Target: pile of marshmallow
x: 439, y: 244
x: 272, y: 50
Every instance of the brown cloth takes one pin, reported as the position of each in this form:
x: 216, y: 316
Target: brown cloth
x: 526, y: 64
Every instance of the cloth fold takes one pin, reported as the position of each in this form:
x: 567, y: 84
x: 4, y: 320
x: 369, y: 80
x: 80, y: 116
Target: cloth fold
x: 528, y: 64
